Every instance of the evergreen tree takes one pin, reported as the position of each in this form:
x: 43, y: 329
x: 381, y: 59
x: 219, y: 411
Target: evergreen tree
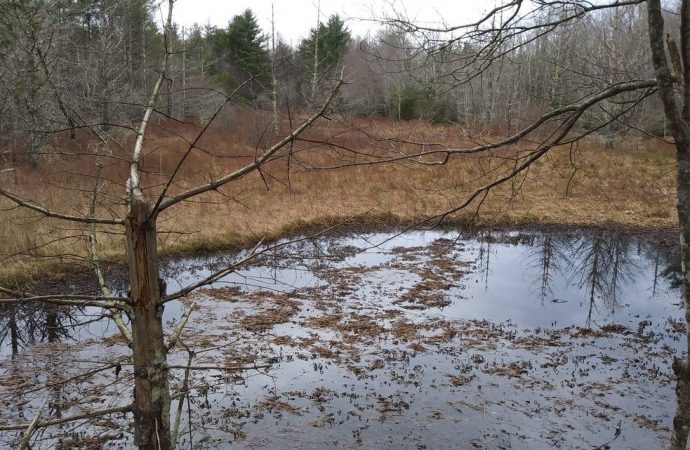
x: 333, y: 38
x: 240, y: 54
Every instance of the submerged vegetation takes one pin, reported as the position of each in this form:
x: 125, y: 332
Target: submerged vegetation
x: 337, y: 342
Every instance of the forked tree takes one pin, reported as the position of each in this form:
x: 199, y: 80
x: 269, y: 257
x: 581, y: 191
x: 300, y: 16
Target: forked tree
x: 145, y: 301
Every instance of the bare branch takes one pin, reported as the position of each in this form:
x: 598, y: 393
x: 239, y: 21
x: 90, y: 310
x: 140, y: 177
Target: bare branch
x: 133, y: 184
x: 216, y: 275
x: 215, y: 184
x: 63, y: 299
x: 222, y: 368
x: 96, y: 264
x: 47, y: 423
x: 49, y: 213
x: 29, y: 431
x: 442, y: 149
x: 579, y: 10
x: 184, y: 394
x: 193, y: 144
x: 175, y: 336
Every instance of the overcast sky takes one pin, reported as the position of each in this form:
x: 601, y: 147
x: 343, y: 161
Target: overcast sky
x: 294, y: 18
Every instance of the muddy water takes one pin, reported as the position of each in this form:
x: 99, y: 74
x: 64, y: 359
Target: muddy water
x: 422, y: 340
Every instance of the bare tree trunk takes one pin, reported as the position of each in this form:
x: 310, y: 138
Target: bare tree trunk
x: 678, y: 119
x: 52, y: 324
x: 130, y: 48
x: 56, y: 94
x: 34, y: 148
x: 315, y: 68
x: 274, y: 81
x: 681, y: 366
x: 143, y: 55
x: 151, y: 392
x: 13, y: 161
x: 183, y: 114
x: 105, y: 106
x: 14, y: 333
x: 168, y: 91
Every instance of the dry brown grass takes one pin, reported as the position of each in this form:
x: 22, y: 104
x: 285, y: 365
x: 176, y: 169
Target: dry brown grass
x: 632, y: 185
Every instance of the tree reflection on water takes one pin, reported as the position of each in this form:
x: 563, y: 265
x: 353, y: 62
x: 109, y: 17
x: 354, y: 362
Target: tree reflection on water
x: 22, y: 325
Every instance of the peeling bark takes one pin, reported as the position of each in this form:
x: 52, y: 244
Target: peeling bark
x: 151, y: 392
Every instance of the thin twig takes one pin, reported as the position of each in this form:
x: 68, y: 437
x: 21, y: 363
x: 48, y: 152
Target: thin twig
x: 215, y: 184
x: 116, y: 314
x: 175, y: 336
x: 185, y: 393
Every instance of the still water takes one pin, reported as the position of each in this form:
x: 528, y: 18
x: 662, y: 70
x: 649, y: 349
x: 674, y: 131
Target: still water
x: 435, y: 339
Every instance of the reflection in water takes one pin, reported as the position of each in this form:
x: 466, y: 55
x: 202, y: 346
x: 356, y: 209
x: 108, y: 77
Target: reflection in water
x: 389, y: 340
x: 547, y: 258
x: 22, y: 325
x: 599, y: 263
x: 602, y: 264
x: 484, y: 258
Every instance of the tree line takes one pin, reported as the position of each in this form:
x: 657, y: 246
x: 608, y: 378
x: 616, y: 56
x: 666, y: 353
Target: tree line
x: 77, y: 64
x: 66, y: 65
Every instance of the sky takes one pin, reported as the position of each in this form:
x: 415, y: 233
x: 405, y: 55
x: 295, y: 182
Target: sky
x: 294, y: 18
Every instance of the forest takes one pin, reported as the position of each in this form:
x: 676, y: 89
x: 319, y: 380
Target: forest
x: 464, y: 231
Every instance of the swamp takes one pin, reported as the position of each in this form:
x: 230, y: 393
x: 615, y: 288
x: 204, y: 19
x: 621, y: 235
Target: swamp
x: 418, y: 339
x: 414, y: 225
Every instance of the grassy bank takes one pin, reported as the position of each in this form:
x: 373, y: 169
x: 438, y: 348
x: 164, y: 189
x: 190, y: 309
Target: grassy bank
x: 631, y: 185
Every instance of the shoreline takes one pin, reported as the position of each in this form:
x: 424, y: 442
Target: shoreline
x: 56, y: 275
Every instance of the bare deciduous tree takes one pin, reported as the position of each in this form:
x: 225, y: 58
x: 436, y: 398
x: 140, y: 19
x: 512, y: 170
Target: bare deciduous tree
x: 146, y: 300
x: 486, y: 68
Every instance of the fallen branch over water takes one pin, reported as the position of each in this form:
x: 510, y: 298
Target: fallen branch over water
x: 47, y: 423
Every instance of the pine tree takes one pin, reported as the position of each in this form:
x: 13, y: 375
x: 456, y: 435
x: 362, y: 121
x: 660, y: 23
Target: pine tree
x: 240, y: 54
x: 333, y: 38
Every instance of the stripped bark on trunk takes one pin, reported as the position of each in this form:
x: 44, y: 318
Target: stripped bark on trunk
x: 151, y: 392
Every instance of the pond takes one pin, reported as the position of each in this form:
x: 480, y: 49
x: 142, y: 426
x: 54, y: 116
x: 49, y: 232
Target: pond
x: 424, y: 339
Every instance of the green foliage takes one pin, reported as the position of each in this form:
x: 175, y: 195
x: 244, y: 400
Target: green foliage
x: 442, y: 111
x: 405, y: 103
x: 657, y: 128
x: 333, y: 39
x: 240, y: 54
x: 416, y: 102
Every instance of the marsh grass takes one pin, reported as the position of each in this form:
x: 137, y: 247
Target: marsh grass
x: 631, y: 185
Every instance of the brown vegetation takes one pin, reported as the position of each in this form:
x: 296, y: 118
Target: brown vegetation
x: 631, y: 185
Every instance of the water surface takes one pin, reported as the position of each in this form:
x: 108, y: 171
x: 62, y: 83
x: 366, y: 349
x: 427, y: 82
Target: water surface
x: 503, y: 339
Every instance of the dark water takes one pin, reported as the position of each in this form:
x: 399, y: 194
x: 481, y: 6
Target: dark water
x: 432, y: 340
